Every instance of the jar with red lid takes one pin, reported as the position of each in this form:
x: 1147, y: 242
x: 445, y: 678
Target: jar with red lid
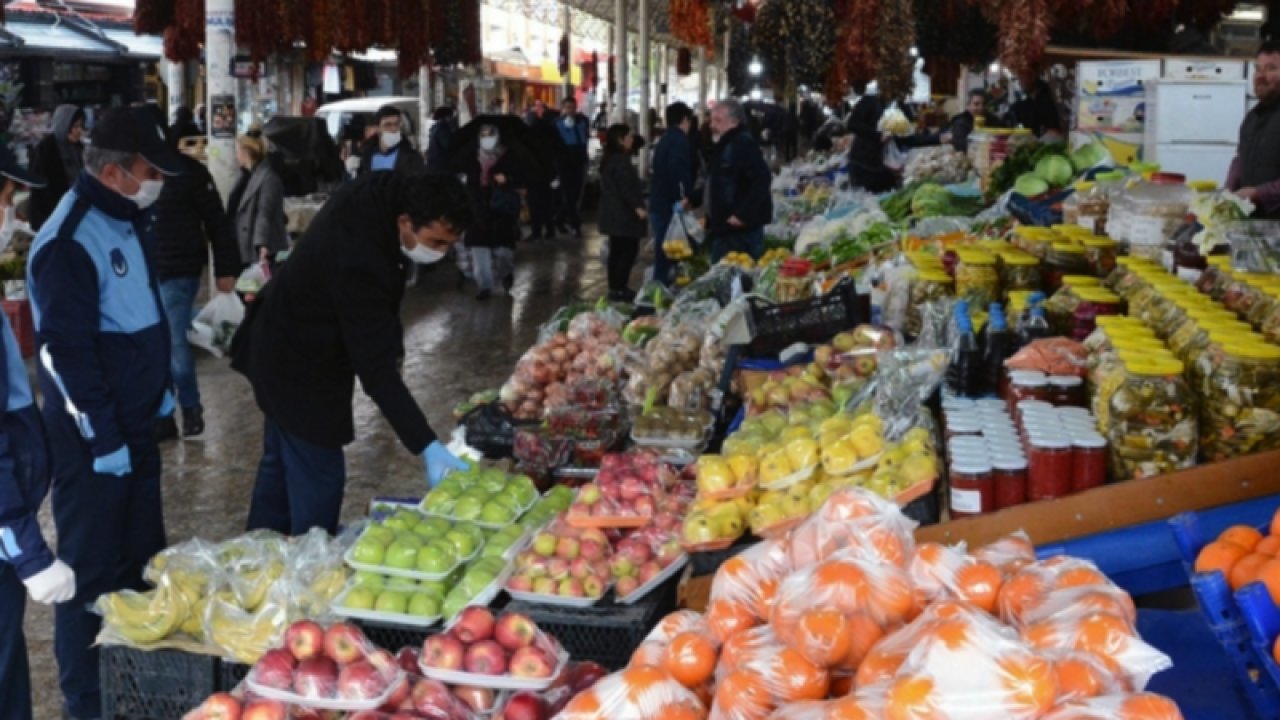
x: 1009, y: 476
x: 1066, y: 391
x: 1049, y: 468
x: 1027, y: 385
x: 972, y: 488
x: 1089, y: 461
x: 795, y: 280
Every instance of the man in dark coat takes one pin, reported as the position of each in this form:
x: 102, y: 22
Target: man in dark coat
x: 389, y: 149
x: 543, y: 199
x: 962, y: 125
x: 672, y: 181
x: 866, y: 155
x: 1255, y: 171
x: 739, y: 202
x: 444, y: 122
x: 330, y: 315
x: 575, y: 135
x: 59, y: 158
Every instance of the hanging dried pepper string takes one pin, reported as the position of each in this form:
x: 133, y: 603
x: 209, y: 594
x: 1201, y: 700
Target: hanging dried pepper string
x: 895, y: 71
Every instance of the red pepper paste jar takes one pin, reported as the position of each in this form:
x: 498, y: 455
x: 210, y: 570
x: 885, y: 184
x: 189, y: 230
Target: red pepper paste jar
x: 1009, y: 475
x: 1066, y: 391
x: 1089, y: 462
x: 1027, y: 385
x: 972, y: 487
x: 1049, y: 468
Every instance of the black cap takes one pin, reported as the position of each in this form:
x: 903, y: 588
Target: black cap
x: 135, y: 130
x: 10, y: 168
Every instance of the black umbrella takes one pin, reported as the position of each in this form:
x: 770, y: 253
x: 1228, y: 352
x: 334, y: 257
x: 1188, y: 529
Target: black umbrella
x: 307, y: 150
x: 521, y: 141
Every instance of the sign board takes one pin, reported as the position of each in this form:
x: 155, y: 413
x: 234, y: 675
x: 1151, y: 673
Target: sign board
x: 222, y: 116
x: 244, y: 68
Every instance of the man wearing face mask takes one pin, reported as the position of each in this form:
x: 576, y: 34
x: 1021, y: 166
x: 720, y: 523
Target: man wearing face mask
x: 330, y: 315
x: 575, y: 133
x: 104, y: 373
x: 389, y: 149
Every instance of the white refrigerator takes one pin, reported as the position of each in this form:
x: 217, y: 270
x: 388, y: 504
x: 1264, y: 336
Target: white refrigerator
x: 1193, y: 126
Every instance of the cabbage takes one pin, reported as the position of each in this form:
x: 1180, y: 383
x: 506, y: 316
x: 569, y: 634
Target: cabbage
x: 931, y: 200
x: 1090, y: 155
x: 1030, y: 185
x: 1055, y: 170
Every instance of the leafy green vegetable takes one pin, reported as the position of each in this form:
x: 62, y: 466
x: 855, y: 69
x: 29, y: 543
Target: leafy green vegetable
x: 1022, y: 161
x: 1055, y: 170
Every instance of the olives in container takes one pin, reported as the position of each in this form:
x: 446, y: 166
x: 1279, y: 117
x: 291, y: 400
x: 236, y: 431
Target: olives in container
x: 1241, y: 412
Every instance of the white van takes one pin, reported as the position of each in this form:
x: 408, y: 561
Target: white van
x: 338, y: 115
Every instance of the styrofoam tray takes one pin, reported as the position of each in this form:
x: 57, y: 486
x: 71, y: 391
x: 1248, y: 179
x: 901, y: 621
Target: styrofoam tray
x: 556, y: 600
x: 410, y: 574
x: 481, y: 524
x: 326, y: 703
x: 495, y: 682
x: 654, y: 582
x: 489, y: 592
x: 416, y: 621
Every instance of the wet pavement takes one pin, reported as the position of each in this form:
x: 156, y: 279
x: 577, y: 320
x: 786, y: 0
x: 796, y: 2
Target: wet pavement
x: 455, y: 346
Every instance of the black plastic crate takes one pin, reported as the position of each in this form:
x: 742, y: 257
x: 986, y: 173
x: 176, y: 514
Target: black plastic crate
x: 607, y: 633
x: 155, y: 684
x: 231, y: 674
x: 775, y: 327
x: 707, y: 563
x: 927, y: 509
x: 394, y: 637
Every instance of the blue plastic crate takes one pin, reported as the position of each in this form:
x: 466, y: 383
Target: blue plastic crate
x: 1262, y: 618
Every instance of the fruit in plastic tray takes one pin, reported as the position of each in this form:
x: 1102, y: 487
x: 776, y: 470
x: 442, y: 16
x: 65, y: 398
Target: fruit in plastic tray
x: 565, y: 561
x: 480, y: 643
x: 629, y: 485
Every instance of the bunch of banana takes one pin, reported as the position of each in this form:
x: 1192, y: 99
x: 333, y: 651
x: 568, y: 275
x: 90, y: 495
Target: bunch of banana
x: 145, y: 618
x: 244, y: 636
x: 252, y: 582
x: 321, y: 591
x: 738, y: 260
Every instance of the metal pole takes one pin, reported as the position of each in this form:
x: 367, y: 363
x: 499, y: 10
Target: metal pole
x: 175, y: 77
x: 567, y: 19
x: 425, y: 106
x: 703, y: 84
x: 646, y: 57
x: 622, y: 62
x: 220, y: 46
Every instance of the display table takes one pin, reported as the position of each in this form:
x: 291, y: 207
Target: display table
x: 1201, y: 681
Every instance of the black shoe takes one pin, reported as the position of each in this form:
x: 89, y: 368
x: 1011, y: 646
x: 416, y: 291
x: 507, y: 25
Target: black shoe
x: 484, y: 295
x: 166, y: 429
x: 192, y: 421
x: 508, y: 282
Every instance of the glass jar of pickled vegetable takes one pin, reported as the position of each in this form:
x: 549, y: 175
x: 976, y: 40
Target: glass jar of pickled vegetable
x: 1101, y: 254
x: 1153, y: 420
x: 1266, y: 305
x: 1270, y: 326
x: 1019, y: 271
x: 1243, y: 292
x: 1221, y: 282
x: 1035, y: 240
x: 1241, y: 411
x: 1063, y: 259
x: 795, y: 280
x: 1203, y: 359
x: 929, y: 286
x: 1094, y: 303
x: 1209, y: 277
x: 977, y: 279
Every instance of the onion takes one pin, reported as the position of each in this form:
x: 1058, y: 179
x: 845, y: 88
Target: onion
x: 542, y: 374
x: 508, y: 394
x: 559, y: 340
x: 573, y: 348
x: 560, y: 354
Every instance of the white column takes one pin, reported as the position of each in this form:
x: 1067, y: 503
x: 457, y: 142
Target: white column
x: 622, y: 62
x: 566, y: 19
x: 725, y: 89
x: 646, y: 58
x: 220, y: 46
x: 175, y: 78
x: 703, y: 84
x: 425, y: 106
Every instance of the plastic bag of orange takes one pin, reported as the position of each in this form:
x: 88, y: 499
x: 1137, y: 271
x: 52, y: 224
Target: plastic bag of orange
x: 1139, y: 706
x: 854, y: 518
x: 743, y: 590
x: 947, y: 572
x: 1034, y: 584
x: 886, y: 657
x: 1082, y: 676
x: 1010, y: 553
x: 1082, y: 600
x: 767, y: 678
x: 1110, y: 638
x: 849, y: 707
x: 644, y: 691
x: 682, y: 645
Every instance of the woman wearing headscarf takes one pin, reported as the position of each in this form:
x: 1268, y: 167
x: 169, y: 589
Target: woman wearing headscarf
x: 495, y: 188
x: 622, y: 212
x: 59, y: 159
x: 257, y: 203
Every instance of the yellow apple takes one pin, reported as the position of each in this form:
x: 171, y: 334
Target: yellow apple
x: 802, y: 452
x: 839, y: 458
x: 714, y: 474
x: 745, y: 469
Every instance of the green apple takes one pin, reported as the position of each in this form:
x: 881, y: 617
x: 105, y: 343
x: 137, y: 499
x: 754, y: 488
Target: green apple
x: 522, y: 489
x: 392, y: 601
x: 380, y: 534
x: 426, y: 531
x: 468, y: 508
x: 360, y: 598
x: 434, y: 588
x: 452, y: 485
x: 440, y: 503
x: 401, y: 556
x: 369, y: 580
x: 497, y: 512
x: 410, y: 538
x: 424, y: 605
x: 438, y: 524
x: 368, y: 551
x: 455, y: 602
x: 437, y: 557
x: 396, y: 522
x: 492, y: 480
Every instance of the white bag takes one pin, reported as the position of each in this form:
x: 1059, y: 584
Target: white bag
x: 215, y: 325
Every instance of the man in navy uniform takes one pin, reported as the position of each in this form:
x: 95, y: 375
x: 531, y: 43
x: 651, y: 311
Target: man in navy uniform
x: 25, y: 559
x: 104, y: 373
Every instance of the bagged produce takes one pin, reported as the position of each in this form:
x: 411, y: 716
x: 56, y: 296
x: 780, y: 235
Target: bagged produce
x: 942, y: 164
x: 637, y: 693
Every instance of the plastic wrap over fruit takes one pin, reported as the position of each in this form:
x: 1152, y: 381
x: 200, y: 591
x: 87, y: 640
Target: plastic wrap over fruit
x: 681, y: 644
x: 1082, y: 676
x: 143, y: 619
x: 564, y: 560
x: 744, y: 588
x: 1035, y: 584
x: 645, y: 553
x: 644, y: 691
x: 906, y: 379
x: 628, y: 489
x: 1109, y: 637
x: 768, y: 675
x: 314, y: 572
x: 1138, y: 706
x: 862, y: 706
x: 1010, y: 553
x: 941, y: 572
x: 854, y: 518
x: 241, y: 634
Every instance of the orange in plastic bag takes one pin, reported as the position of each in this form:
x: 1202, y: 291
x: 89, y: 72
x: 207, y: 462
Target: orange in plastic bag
x: 1010, y: 553
x: 1035, y: 584
x: 1140, y: 706
x: 644, y: 691
x: 939, y: 571
x: 742, y: 592
x: 1110, y: 638
x: 1082, y: 676
x: 853, y: 517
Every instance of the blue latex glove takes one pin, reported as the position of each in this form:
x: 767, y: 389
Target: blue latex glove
x: 439, y: 461
x: 678, y: 207
x: 166, y: 405
x: 116, y: 463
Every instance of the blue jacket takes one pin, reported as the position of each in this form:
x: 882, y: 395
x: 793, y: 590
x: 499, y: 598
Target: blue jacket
x: 24, y: 468
x: 672, y: 172
x: 103, y: 342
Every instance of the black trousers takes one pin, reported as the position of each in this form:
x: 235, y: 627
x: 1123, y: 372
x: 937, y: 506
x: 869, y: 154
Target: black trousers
x: 573, y: 178
x: 543, y: 203
x: 622, y: 256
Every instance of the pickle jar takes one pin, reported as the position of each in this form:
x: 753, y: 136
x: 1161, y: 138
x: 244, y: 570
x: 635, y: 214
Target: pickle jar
x: 1063, y: 258
x: 928, y: 286
x: 795, y: 280
x: 1270, y: 325
x: 1019, y: 271
x: 1203, y: 358
x: 1243, y: 292
x: 1101, y: 254
x: 1241, y: 412
x: 1207, y: 279
x: 1094, y: 303
x: 1153, y: 420
x: 977, y: 279
x: 1267, y: 304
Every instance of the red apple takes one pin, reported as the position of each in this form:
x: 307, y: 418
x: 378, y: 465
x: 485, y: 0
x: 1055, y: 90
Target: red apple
x: 399, y: 695
x: 521, y: 583
x: 442, y: 651
x: 474, y: 624
x: 361, y: 681
x: 345, y: 643
x: 580, y: 509
x: 316, y: 678
x: 557, y: 568
x: 275, y: 669
x: 530, y: 662
x: 625, y: 585
x: 580, y: 568
x: 643, y: 506
x: 668, y: 553
x: 264, y: 710
x: 649, y: 571
x: 583, y: 675
x: 407, y: 659
x: 525, y: 705
x: 486, y: 658
x: 545, y: 586
x: 591, y: 550
x: 365, y: 715
x: 477, y: 698
x: 383, y: 661
x: 219, y: 706
x: 570, y: 587
x: 515, y: 630
x: 567, y: 548
x: 305, y: 639
x: 595, y: 535
x: 431, y: 698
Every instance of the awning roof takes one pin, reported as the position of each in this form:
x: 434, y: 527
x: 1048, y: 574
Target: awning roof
x: 142, y: 46
x: 548, y: 11
x: 56, y: 36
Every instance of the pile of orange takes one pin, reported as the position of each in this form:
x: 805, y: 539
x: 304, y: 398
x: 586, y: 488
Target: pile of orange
x: 1244, y: 555
x: 844, y: 618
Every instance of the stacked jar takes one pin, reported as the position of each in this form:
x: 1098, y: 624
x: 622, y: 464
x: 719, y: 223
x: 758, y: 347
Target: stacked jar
x: 1063, y: 259
x: 1094, y: 303
x: 1214, y: 266
x: 1243, y: 292
x: 977, y: 279
x: 1241, y: 412
x: 1035, y: 240
x: 1101, y: 254
x: 1153, y: 424
x: 1019, y: 271
x: 988, y: 466
x: 1061, y: 306
x: 1066, y: 453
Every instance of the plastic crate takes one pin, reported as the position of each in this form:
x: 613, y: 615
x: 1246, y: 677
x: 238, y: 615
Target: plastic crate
x: 606, y: 632
x: 1227, y: 621
x: 154, y: 684
x: 775, y: 327
x: 231, y: 674
x: 1262, y: 617
x: 707, y: 563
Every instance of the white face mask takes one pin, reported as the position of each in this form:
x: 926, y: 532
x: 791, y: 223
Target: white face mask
x: 390, y: 139
x: 488, y: 143
x: 422, y: 254
x: 148, y: 192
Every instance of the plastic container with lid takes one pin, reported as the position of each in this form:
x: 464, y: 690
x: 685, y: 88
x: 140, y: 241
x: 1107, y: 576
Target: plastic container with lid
x: 1009, y: 475
x: 977, y: 279
x: 928, y: 286
x: 1153, y: 424
x: 1019, y: 271
x: 972, y: 488
x: 795, y: 280
x: 1241, y: 412
x: 1026, y: 385
x: 1071, y: 206
x: 1089, y: 461
x: 1063, y: 258
x: 1157, y: 207
x: 1101, y: 254
x: 1049, y: 467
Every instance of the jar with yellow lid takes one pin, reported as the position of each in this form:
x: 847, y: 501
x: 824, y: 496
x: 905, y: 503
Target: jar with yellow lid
x: 1270, y: 327
x: 1019, y: 271
x: 1209, y: 277
x: 977, y: 279
x: 1243, y: 292
x: 1105, y: 359
x: 929, y: 286
x: 1241, y: 411
x: 1063, y: 258
x: 1034, y: 240
x: 1202, y: 360
x: 1101, y: 254
x: 923, y: 260
x: 1094, y: 303
x: 1266, y: 306
x: 1195, y: 325
x: 1152, y: 419
x: 1169, y: 309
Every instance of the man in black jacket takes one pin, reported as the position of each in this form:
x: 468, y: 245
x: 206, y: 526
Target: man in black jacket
x: 389, y: 149
x: 866, y: 154
x: 739, y: 201
x: 672, y: 182
x: 187, y: 220
x: 329, y: 316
